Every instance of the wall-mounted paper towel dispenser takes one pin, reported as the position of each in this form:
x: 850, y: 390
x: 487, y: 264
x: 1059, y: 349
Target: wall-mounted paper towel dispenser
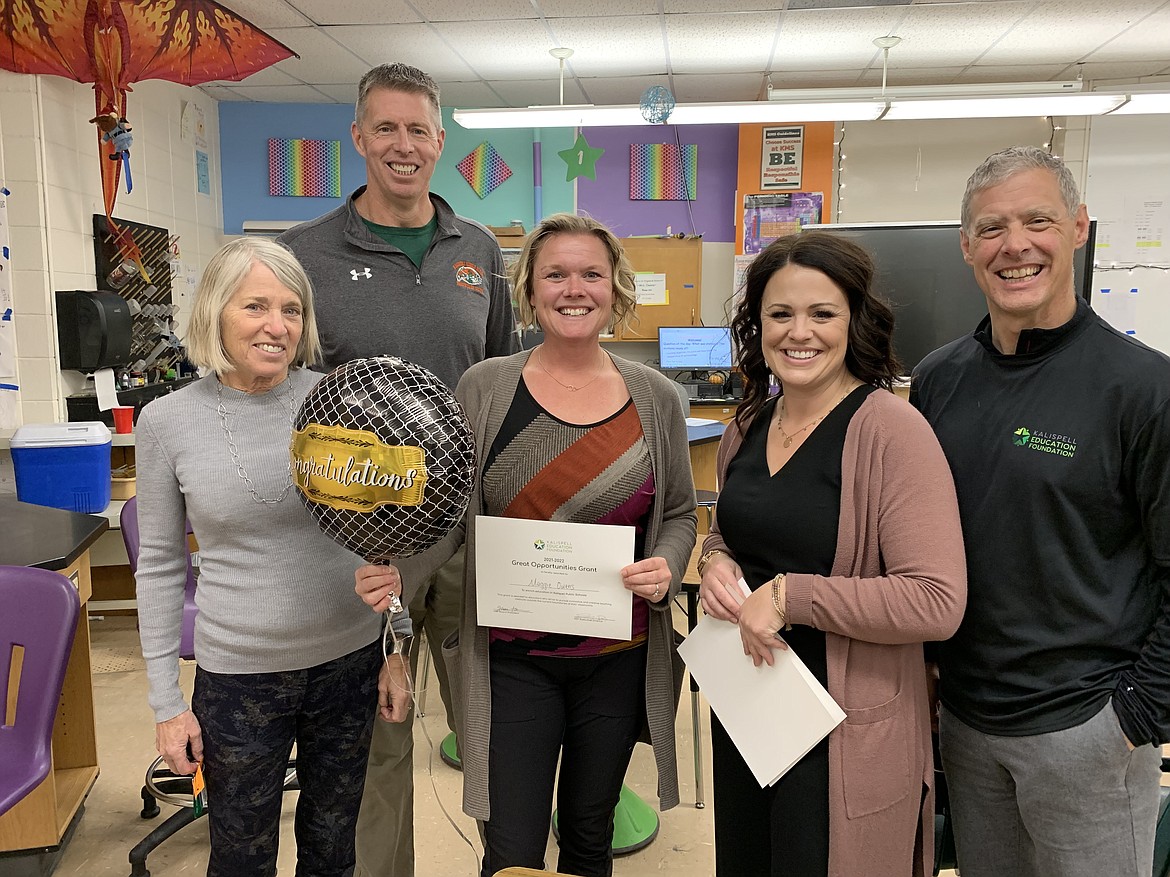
x: 93, y: 329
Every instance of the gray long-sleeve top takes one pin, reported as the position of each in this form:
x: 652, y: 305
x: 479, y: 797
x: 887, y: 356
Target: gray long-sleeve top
x: 275, y: 593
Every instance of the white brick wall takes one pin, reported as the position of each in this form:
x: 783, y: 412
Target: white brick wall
x: 49, y: 161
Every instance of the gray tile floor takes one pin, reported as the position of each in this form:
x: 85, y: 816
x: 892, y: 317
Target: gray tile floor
x: 111, y: 824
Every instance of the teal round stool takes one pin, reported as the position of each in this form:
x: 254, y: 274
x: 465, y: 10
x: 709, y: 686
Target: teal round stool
x: 635, y: 824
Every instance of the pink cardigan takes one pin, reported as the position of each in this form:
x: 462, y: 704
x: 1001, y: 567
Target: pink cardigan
x: 899, y: 579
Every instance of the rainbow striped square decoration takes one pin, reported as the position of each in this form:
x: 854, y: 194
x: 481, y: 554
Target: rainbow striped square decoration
x: 304, y: 168
x: 659, y: 173
x: 483, y: 169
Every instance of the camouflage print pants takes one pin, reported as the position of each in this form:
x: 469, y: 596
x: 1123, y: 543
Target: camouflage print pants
x: 250, y: 722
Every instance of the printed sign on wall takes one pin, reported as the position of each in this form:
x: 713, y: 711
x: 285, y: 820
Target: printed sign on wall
x: 783, y: 158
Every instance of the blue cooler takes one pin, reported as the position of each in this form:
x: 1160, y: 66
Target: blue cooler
x: 63, y: 465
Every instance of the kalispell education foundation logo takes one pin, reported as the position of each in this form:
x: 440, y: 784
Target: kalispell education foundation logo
x: 538, y: 544
x: 1045, y: 442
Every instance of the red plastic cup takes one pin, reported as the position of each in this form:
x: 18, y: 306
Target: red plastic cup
x: 123, y: 418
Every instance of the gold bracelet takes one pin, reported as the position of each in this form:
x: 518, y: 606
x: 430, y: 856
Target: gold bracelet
x: 706, y: 559
x: 778, y: 582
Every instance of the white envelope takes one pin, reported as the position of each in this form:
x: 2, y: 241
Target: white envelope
x: 774, y: 715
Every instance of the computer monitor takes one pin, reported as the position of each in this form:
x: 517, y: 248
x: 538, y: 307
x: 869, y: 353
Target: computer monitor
x: 697, y: 348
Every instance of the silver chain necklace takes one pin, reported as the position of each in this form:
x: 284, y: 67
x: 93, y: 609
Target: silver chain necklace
x: 231, y: 442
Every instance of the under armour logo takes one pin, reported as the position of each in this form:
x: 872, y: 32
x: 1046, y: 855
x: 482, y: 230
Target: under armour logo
x: 355, y: 274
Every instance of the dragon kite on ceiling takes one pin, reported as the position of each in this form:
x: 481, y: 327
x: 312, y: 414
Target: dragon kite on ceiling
x: 114, y: 43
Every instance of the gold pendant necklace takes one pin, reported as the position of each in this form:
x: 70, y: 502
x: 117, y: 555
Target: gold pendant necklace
x: 783, y: 409
x: 571, y: 388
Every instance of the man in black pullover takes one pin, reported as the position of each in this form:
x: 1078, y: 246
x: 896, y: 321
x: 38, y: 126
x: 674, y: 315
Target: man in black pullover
x: 1056, y: 688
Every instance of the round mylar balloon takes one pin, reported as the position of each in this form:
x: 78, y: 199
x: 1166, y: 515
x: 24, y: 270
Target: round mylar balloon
x: 383, y: 457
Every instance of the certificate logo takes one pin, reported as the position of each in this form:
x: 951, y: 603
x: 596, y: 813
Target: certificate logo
x: 538, y: 545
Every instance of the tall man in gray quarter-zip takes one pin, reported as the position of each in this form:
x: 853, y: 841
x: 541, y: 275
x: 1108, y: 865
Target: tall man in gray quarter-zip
x: 396, y: 272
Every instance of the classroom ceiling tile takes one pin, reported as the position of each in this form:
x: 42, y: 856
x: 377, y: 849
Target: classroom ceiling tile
x: 330, y: 12
x: 690, y: 41
x: 595, y: 8
x: 1068, y: 31
x: 342, y: 93
x: 223, y: 93
x: 950, y: 35
x: 711, y: 49
x: 477, y: 10
x: 709, y: 89
x: 420, y: 45
x: 481, y: 46
x: 832, y: 39
x: 630, y: 46
x: 322, y: 58
x: 528, y: 93
x: 265, y: 14
x: 279, y: 94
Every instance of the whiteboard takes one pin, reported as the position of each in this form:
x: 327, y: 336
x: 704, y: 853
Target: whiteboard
x: 1128, y: 192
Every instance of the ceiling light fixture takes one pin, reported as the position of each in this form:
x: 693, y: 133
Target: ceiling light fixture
x: 856, y: 109
x: 983, y: 101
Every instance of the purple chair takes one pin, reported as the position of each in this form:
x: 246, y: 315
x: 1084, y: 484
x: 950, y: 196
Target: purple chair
x: 129, y: 524
x: 40, y: 614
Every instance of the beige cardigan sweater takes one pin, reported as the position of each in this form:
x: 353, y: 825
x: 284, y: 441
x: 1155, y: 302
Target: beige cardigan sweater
x: 898, y: 579
x: 486, y: 392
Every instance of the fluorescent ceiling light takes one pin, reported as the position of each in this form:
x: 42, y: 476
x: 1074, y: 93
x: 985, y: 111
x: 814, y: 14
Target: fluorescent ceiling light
x: 571, y: 116
x: 1093, y: 104
x: 587, y: 115
x: 1142, y: 104
x: 967, y: 90
x: 767, y: 112
x: 841, y: 105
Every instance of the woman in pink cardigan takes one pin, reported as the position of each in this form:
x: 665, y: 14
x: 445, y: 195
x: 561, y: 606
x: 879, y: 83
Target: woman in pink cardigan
x: 837, y: 508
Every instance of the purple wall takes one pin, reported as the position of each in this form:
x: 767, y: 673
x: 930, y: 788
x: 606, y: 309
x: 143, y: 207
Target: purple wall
x: 608, y: 197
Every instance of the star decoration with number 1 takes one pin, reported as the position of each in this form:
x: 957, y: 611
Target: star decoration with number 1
x: 581, y: 159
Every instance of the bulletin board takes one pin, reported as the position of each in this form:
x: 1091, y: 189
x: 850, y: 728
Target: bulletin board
x: 681, y: 261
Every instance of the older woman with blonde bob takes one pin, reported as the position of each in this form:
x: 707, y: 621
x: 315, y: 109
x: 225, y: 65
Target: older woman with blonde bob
x: 286, y: 653
x: 568, y: 432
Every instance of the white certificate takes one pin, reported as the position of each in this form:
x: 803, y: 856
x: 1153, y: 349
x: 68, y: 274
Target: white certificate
x: 553, y: 576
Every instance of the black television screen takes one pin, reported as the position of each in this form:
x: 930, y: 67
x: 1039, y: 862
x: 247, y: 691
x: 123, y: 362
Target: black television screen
x: 699, y: 348
x: 920, y: 269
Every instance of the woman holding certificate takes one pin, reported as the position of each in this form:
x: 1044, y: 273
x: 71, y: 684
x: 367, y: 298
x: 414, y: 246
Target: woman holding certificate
x: 838, y: 511
x: 566, y: 433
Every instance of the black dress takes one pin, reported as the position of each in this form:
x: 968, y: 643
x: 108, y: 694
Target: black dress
x: 785, y: 522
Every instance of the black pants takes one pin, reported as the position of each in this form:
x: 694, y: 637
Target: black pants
x: 250, y: 722
x: 588, y: 711
x: 781, y: 830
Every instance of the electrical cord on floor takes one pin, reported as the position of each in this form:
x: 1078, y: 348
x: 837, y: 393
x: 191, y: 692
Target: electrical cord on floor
x: 393, y: 644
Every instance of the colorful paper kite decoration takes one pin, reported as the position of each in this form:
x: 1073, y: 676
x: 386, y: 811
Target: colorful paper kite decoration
x: 658, y: 172
x: 114, y: 43
x: 483, y: 169
x: 304, y: 168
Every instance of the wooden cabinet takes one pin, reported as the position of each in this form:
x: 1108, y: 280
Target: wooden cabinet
x: 681, y: 260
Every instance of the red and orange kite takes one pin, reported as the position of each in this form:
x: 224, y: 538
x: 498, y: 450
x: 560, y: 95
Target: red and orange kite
x: 113, y: 43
